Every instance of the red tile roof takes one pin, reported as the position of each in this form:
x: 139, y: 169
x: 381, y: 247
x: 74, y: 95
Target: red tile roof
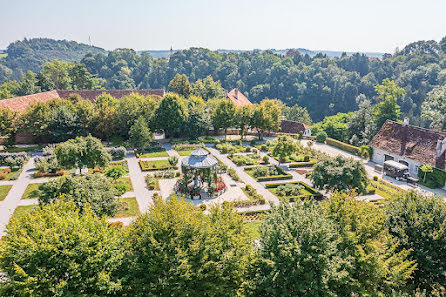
x: 238, y: 98
x: 413, y: 142
x: 20, y: 104
x: 292, y: 127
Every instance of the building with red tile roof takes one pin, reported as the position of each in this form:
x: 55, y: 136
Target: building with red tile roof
x: 238, y: 98
x: 20, y: 104
x: 293, y: 127
x: 410, y: 145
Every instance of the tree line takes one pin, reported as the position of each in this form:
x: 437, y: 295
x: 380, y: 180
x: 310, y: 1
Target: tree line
x: 323, y: 85
x: 340, y: 247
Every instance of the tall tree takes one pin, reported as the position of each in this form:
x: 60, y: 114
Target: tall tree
x: 140, y: 134
x: 180, y: 84
x: 105, y: 113
x: 434, y: 108
x: 419, y: 222
x: 57, y: 251
x: 387, y: 108
x: 58, y: 72
x: 171, y: 114
x: 198, y: 119
x: 243, y: 119
x: 298, y: 114
x: 177, y: 250
x: 208, y: 88
x: 224, y: 115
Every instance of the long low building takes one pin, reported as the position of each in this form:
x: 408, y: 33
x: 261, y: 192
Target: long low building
x: 20, y: 104
x: 409, y: 145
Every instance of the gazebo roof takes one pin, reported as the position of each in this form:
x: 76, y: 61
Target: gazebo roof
x: 200, y: 159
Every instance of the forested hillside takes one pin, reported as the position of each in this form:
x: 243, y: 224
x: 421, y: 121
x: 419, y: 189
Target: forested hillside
x: 32, y: 54
x: 324, y: 85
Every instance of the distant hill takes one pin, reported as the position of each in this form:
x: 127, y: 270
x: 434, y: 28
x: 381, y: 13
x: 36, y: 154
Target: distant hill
x: 32, y: 54
x: 332, y: 54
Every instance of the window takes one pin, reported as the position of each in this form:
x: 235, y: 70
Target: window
x: 388, y: 158
x: 404, y: 162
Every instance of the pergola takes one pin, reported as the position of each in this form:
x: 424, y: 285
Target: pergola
x: 200, y: 164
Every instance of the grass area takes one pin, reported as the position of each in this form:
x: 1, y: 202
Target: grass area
x: 21, y: 211
x: 253, y: 228
x: 32, y: 191
x: 126, y: 180
x: 147, y: 165
x: 185, y: 153
x: 384, y: 189
x: 155, y: 155
x: 245, y: 159
x: 4, y: 190
x: 7, y: 174
x: 14, y: 149
x: 128, y: 208
x: 122, y: 163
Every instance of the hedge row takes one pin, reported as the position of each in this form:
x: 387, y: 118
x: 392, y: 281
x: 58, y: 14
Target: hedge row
x: 314, y: 193
x: 148, y: 168
x: 301, y: 164
x: 343, y: 146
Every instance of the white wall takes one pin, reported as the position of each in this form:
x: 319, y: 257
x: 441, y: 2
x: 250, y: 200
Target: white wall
x: 307, y: 132
x: 378, y: 157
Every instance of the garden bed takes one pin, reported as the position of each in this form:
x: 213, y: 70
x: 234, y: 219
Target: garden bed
x: 126, y: 180
x: 254, y: 198
x: 128, y: 207
x: 50, y: 174
x: 122, y: 163
x: 4, y: 190
x: 245, y: 159
x: 21, y: 211
x: 228, y: 148
x: 8, y: 174
x: 267, y: 173
x: 155, y: 154
x: 147, y: 165
x: 383, y: 189
x: 294, y: 158
x: 302, y: 164
x: 304, y: 190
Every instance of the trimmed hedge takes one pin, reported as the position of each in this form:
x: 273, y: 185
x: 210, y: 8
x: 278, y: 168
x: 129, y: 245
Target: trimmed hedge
x: 435, y: 179
x: 146, y: 167
x: 314, y: 193
x: 283, y: 175
x: 343, y: 146
x: 301, y: 164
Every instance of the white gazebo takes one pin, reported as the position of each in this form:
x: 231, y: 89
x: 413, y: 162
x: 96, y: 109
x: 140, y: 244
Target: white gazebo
x: 200, y: 167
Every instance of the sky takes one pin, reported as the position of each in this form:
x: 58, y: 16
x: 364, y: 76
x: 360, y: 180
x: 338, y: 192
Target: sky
x: 342, y: 25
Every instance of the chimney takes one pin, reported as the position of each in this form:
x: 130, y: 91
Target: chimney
x: 236, y: 93
x: 440, y: 155
x: 406, y: 121
x: 226, y: 93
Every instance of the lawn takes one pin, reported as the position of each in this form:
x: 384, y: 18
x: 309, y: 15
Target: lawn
x: 155, y: 155
x: 147, y: 165
x: 32, y: 191
x: 267, y: 173
x: 14, y: 149
x: 305, y: 192
x: 21, y: 211
x: 4, y: 190
x: 253, y: 228
x: 122, y: 163
x: 11, y: 175
x: 128, y: 208
x: 185, y: 153
x: 245, y: 159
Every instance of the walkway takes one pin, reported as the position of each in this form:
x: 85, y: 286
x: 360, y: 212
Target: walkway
x: 142, y: 193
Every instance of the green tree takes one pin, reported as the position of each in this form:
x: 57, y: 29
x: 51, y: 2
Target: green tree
x: 81, y: 79
x: 434, y: 108
x: 284, y: 147
x: 339, y: 174
x: 28, y: 84
x: 299, y: 254
x: 58, y: 72
x: 140, y: 134
x: 208, y: 88
x: 321, y: 136
x: 426, y: 168
x: 82, y: 152
x: 224, y: 115
x: 96, y: 190
x: 387, y: 108
x: 198, y: 119
x: 298, y: 114
x: 180, y: 84
x: 243, y: 119
x: 176, y: 250
x: 335, y: 126
x: 8, y: 122
x: 37, y: 117
x: 56, y: 251
x: 377, y: 264
x: 171, y: 114
x: 9, y: 89
x: 418, y: 221
x: 115, y: 172
x: 105, y: 116
x: 266, y: 116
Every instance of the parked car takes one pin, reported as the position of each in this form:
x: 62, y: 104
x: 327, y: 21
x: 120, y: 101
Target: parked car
x: 398, y: 171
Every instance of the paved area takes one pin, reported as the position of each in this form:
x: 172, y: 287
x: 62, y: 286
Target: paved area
x: 141, y: 192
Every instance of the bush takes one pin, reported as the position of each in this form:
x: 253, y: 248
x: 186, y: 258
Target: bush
x: 3, y: 175
x: 321, y: 137
x: 203, y: 207
x: 265, y: 159
x: 121, y: 188
x: 289, y: 190
x: 117, y: 152
x: 233, y: 174
x: 173, y: 160
x: 375, y: 178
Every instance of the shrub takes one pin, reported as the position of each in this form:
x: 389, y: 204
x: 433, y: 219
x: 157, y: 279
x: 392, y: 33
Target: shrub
x: 121, y: 188
x: 264, y: 148
x: 248, y: 149
x: 289, y: 190
x: 375, y: 178
x: 233, y: 174
x: 177, y: 174
x: 306, y: 158
x: 203, y: 207
x: 3, y: 175
x: 173, y: 160
x: 265, y: 159
x: 343, y: 146
x: 117, y: 152
x: 321, y: 137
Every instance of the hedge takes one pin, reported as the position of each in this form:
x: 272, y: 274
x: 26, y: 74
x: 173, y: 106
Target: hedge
x: 148, y: 168
x: 283, y: 175
x: 301, y: 164
x: 343, y: 146
x: 435, y: 179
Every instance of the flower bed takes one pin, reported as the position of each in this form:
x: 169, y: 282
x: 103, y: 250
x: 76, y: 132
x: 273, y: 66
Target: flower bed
x: 8, y: 174
x: 147, y: 165
x: 228, y: 148
x: 302, y: 164
x: 50, y: 174
x: 254, y: 198
x: 298, y: 190
x: 243, y: 160
x: 267, y: 173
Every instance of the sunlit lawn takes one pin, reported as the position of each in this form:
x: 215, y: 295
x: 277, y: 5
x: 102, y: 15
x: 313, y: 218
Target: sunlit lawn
x: 4, y: 190
x: 32, y: 191
x: 128, y: 208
